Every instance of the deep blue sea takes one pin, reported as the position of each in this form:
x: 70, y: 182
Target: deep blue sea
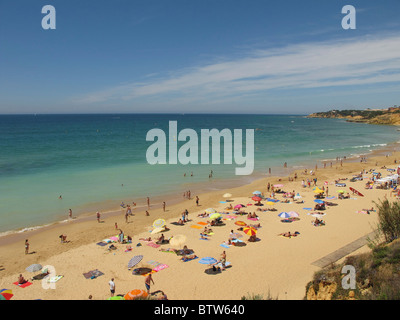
x: 98, y: 160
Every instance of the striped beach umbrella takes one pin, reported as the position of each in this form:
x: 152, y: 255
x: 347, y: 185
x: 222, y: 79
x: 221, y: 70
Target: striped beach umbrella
x: 6, y: 294
x: 159, y: 223
x: 207, y: 260
x: 250, y: 231
x: 136, y: 294
x: 284, y: 215
x: 34, y: 267
x: 134, y: 261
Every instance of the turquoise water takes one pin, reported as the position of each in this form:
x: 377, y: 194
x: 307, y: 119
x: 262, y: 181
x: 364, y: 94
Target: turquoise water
x: 97, y: 161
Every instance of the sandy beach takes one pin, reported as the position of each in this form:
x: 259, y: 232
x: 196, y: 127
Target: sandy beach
x: 274, y: 265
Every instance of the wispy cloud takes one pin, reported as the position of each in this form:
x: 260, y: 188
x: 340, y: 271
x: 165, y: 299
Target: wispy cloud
x: 356, y: 62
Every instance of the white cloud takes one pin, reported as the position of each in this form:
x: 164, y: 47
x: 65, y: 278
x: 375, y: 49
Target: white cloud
x: 360, y: 61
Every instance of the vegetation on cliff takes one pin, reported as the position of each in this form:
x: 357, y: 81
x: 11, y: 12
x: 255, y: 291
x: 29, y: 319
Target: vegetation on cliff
x: 372, y: 116
x: 377, y: 272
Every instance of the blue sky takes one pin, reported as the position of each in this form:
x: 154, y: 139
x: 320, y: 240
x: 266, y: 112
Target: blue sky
x: 194, y: 56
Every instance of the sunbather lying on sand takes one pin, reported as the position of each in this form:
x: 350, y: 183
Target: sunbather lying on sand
x: 289, y: 234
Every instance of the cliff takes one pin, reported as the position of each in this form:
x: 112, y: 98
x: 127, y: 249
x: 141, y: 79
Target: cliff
x: 389, y: 116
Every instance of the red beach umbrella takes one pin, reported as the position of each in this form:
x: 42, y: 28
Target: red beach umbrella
x: 6, y: 294
x: 256, y: 198
x: 250, y: 231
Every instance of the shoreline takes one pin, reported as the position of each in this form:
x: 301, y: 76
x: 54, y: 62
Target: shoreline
x: 12, y: 236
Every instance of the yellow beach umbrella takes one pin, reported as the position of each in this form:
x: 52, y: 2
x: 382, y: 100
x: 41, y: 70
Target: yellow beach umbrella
x: 250, y: 231
x: 215, y: 216
x: 318, y: 190
x: 159, y: 223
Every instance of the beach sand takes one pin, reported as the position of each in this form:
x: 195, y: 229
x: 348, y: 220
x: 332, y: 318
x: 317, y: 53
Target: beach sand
x: 276, y: 266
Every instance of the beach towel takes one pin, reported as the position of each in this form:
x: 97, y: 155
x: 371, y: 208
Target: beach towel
x: 92, y: 274
x: 253, y: 219
x: 203, y: 238
x: 152, y: 244
x: 54, y: 279
x: 307, y: 208
x: 222, y: 202
x: 102, y: 244
x: 224, y: 245
x: 196, y: 227
x: 202, y: 223
x: 23, y: 285
x: 160, y: 267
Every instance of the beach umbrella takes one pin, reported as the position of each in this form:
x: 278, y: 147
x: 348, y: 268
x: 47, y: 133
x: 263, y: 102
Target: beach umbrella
x: 6, y: 294
x: 255, y: 198
x: 293, y: 214
x: 318, y: 201
x: 257, y: 192
x: 284, y: 215
x: 227, y: 195
x: 241, y: 223
x: 159, y: 223
x: 134, y: 261
x: 136, y: 294
x: 210, y: 210
x: 116, y: 298
x: 177, y: 240
x: 207, y: 260
x: 318, y: 190
x: 250, y: 231
x: 34, y: 267
x: 340, y: 191
x: 157, y: 230
x: 215, y: 216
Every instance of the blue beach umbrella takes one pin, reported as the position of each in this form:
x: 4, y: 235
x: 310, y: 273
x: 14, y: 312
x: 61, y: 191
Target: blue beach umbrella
x: 284, y: 215
x: 207, y: 260
x: 257, y: 192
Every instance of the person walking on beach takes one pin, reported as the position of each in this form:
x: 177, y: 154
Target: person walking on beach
x: 148, y: 202
x: 163, y: 206
x: 98, y: 216
x: 147, y: 282
x: 26, y: 246
x: 197, y: 201
x: 223, y: 260
x: 70, y: 213
x: 112, y: 287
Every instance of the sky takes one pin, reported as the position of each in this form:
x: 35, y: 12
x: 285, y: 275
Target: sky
x: 198, y: 56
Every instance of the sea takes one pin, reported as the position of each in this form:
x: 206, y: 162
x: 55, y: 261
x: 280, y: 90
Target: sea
x: 88, y: 162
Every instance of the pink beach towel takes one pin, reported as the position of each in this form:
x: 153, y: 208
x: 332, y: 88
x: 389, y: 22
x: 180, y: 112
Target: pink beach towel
x: 152, y: 244
x: 160, y: 267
